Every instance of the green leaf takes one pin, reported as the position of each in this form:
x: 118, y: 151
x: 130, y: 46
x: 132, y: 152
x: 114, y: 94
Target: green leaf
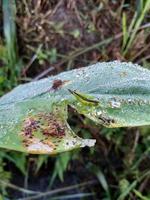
x: 37, y: 126
x: 60, y: 166
x: 9, y: 12
x: 33, y: 117
x: 127, y: 190
x: 140, y: 196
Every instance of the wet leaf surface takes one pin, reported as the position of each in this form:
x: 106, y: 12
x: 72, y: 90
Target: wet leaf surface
x: 33, y: 116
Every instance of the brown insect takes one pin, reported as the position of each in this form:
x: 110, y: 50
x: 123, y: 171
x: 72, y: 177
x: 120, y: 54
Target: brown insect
x: 57, y: 84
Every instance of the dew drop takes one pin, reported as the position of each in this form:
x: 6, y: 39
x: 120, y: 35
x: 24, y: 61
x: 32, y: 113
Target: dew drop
x: 115, y: 104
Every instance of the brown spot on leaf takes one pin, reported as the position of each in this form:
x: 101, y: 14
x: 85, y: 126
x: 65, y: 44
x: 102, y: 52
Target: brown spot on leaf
x: 45, y: 123
x: 49, y: 143
x: 53, y: 126
x: 38, y: 130
x: 58, y: 84
x: 29, y: 126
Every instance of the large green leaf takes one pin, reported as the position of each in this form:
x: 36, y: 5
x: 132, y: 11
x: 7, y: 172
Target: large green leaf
x: 33, y: 116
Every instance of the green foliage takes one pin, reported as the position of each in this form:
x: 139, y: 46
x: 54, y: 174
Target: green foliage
x: 92, y: 102
x: 4, y: 176
x: 129, y: 34
x: 126, y: 178
x: 75, y: 33
x: 9, y: 10
x: 140, y: 196
x: 43, y: 56
x: 40, y: 161
x: 18, y: 160
x: 102, y: 179
x: 11, y: 69
x: 60, y: 167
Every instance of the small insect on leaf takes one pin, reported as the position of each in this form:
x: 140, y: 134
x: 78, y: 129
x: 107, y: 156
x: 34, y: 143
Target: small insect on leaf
x: 85, y: 99
x: 58, y: 84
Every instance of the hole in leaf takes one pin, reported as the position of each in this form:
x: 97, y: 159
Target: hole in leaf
x: 79, y: 123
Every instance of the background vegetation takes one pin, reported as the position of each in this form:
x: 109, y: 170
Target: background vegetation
x: 40, y: 38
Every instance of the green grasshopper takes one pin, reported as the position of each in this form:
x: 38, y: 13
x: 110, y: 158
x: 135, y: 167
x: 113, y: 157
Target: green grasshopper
x: 33, y: 116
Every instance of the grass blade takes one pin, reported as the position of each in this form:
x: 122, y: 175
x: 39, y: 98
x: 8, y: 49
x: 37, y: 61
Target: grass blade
x: 9, y: 13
